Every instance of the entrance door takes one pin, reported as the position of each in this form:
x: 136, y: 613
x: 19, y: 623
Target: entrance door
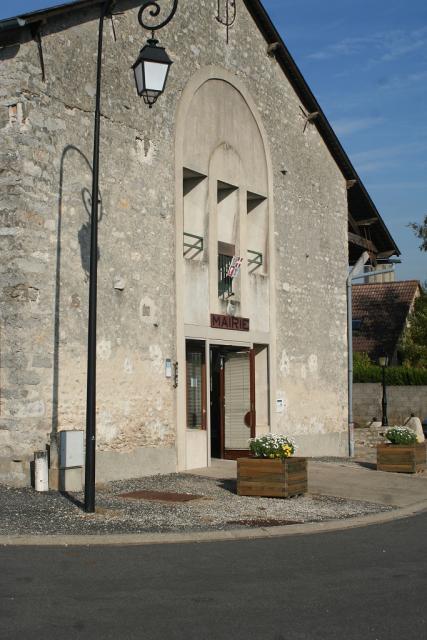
x: 232, y: 401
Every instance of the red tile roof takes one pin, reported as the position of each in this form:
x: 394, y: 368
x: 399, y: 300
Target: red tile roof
x: 383, y: 309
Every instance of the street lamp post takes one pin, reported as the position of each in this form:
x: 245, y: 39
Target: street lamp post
x: 151, y: 70
x: 383, y: 362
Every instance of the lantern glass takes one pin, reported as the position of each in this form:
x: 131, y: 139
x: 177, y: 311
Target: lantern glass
x: 383, y: 361
x: 139, y: 77
x: 155, y: 76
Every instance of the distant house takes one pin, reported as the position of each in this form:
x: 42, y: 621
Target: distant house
x: 380, y: 315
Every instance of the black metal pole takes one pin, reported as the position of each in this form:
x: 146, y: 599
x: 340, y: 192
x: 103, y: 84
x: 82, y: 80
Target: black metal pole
x: 93, y: 278
x: 384, y: 421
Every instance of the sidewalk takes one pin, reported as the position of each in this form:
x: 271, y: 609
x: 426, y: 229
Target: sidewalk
x: 342, y: 494
x: 347, y: 479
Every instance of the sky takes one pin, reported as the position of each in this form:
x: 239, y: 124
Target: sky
x: 366, y: 63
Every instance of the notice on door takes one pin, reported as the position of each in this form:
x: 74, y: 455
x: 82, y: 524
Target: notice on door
x: 229, y: 322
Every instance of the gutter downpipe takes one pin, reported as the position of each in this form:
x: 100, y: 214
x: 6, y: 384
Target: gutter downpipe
x: 354, y: 275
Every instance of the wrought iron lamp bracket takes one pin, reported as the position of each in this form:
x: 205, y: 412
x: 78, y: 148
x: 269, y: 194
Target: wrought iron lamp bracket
x: 154, y: 11
x: 230, y: 14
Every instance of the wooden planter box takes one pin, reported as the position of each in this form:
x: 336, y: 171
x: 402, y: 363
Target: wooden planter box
x: 271, y: 478
x: 401, y: 458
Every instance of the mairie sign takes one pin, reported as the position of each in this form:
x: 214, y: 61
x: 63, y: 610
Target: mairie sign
x: 229, y: 322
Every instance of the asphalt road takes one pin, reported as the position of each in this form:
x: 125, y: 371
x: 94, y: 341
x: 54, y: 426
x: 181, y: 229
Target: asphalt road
x: 368, y: 583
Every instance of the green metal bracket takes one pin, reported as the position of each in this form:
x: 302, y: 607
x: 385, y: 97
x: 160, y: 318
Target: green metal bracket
x: 254, y: 260
x: 192, y: 244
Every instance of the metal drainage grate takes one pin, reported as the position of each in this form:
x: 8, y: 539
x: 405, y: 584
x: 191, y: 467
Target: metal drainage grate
x: 160, y: 496
x: 264, y: 523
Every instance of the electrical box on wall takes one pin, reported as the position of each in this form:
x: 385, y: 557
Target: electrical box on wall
x: 71, y: 449
x: 168, y: 368
x: 280, y: 405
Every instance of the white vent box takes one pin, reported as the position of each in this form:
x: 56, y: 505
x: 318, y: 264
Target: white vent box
x: 71, y: 449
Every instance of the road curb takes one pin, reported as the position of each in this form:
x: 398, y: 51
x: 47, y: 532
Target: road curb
x: 141, y: 539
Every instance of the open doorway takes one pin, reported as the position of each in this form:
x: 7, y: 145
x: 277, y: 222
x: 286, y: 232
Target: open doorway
x: 232, y: 400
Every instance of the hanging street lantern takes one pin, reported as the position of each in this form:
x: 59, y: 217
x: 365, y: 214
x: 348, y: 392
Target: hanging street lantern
x: 151, y: 71
x: 152, y: 66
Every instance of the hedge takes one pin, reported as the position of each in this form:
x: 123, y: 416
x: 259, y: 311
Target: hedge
x: 395, y: 376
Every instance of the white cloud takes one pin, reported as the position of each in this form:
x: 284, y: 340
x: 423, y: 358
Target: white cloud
x: 347, y: 126
x: 402, y: 42
x: 400, y: 81
x: 383, y: 46
x: 384, y: 157
x: 374, y: 165
x: 405, y: 185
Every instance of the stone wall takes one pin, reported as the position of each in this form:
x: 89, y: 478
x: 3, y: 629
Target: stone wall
x: 369, y: 436
x: 46, y: 131
x: 401, y: 402
x: 47, y: 149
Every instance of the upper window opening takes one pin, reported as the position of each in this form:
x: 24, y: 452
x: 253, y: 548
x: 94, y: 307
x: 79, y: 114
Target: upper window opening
x: 224, y: 190
x: 254, y: 200
x: 357, y: 324
x: 191, y: 180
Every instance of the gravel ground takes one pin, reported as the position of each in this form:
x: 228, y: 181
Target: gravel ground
x: 24, y: 511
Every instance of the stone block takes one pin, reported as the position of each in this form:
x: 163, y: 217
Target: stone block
x: 414, y: 423
x: 143, y: 461
x: 54, y: 479
x: 24, y: 377
x: 15, y: 473
x: 4, y: 116
x: 70, y: 479
x: 42, y: 362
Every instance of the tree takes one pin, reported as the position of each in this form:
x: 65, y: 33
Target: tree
x: 413, y: 348
x: 420, y: 231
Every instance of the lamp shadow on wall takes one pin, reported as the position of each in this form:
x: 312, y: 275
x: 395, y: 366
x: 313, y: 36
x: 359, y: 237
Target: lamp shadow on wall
x: 83, y: 239
x: 84, y: 232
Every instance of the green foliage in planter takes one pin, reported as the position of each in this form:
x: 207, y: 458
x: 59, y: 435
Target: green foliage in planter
x: 365, y: 371
x: 401, y: 435
x: 272, y: 446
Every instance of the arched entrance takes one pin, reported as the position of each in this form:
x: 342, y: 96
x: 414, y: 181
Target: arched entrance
x: 224, y: 268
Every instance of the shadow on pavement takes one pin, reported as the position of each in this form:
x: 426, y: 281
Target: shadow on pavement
x: 78, y: 503
x: 229, y: 485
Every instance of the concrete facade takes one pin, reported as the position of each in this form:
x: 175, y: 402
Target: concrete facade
x: 229, y: 105
x: 401, y: 402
